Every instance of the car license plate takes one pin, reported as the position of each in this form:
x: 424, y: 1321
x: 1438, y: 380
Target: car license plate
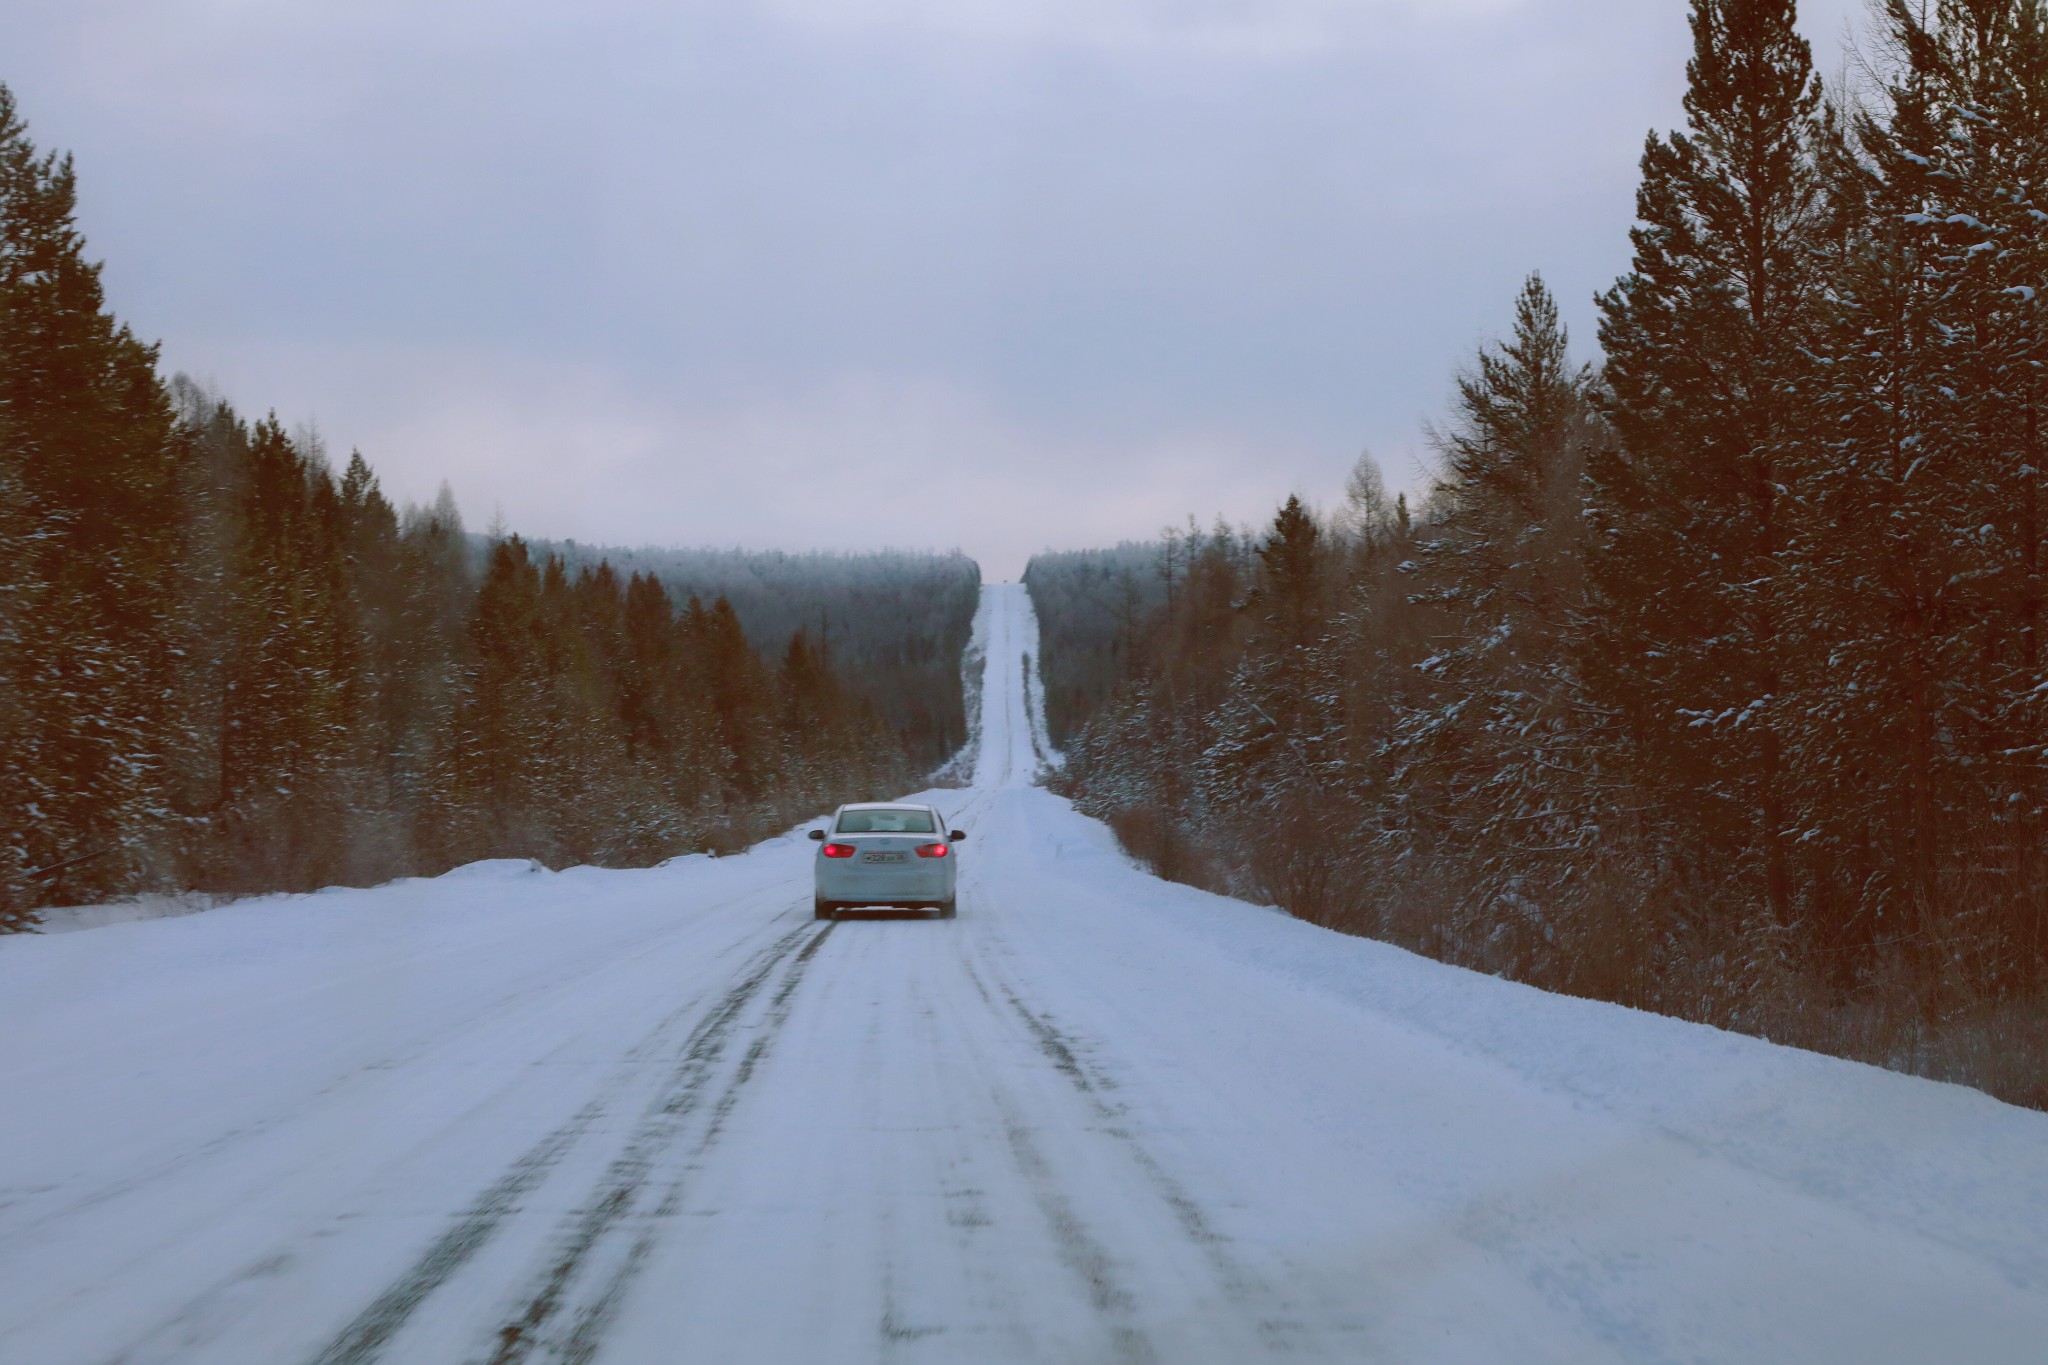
x: 884, y: 858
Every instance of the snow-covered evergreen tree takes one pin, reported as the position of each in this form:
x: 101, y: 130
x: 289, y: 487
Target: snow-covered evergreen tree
x: 1705, y: 366
x: 90, y: 468
x: 1498, y: 753
x: 1918, y: 553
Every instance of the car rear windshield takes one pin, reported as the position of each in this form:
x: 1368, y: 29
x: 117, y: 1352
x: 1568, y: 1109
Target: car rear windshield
x: 886, y: 822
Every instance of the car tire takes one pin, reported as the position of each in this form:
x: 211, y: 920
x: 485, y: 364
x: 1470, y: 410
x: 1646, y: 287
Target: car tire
x: 948, y: 908
x: 823, y: 909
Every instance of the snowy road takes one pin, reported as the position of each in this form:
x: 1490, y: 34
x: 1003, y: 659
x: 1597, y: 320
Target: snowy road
x: 661, y: 1116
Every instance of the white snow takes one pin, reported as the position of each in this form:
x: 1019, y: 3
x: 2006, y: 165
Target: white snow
x: 663, y: 1115
x: 148, y: 905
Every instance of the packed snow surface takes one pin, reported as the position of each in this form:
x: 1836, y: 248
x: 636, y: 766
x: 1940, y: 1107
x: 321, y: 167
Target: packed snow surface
x: 664, y: 1115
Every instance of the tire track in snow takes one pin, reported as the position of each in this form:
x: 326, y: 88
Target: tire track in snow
x: 209, y: 1314
x: 363, y: 1340
x: 595, y: 1318
x: 1076, y: 1245
x: 486, y: 1014
x: 203, y: 1318
x: 620, y: 1192
x: 1278, y: 1331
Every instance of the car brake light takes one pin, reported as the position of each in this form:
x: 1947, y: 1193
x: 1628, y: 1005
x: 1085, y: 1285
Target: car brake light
x: 931, y: 850
x: 838, y: 850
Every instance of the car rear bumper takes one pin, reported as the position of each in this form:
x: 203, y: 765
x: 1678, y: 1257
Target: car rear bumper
x: 887, y: 885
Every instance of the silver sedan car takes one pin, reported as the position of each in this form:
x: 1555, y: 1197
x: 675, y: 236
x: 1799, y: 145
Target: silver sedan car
x: 886, y: 853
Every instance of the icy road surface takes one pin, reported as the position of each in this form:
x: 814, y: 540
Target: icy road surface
x: 663, y: 1116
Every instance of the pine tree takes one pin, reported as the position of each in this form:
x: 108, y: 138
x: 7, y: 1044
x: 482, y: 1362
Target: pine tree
x: 20, y: 595
x: 735, y: 683
x: 582, y: 782
x: 666, y: 717
x: 1920, y: 559
x: 1506, y: 542
x: 290, y: 676
x: 1275, y: 712
x: 378, y: 571
x: 1291, y: 586
x: 494, y: 735
x: 1496, y: 754
x: 437, y: 603
x: 1704, y: 370
x: 90, y: 467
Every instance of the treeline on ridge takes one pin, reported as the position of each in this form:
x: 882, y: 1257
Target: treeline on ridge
x: 1709, y: 680
x: 1090, y: 605
x: 895, y: 624
x: 224, y: 667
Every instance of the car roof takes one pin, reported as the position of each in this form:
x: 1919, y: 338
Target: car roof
x: 885, y: 805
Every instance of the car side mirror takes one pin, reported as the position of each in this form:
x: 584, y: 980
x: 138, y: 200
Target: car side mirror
x: 957, y: 835
x: 818, y: 834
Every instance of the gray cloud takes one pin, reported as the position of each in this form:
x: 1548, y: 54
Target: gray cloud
x: 719, y: 271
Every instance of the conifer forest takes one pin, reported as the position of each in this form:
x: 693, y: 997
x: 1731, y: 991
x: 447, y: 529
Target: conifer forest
x: 1709, y: 677
x: 226, y: 667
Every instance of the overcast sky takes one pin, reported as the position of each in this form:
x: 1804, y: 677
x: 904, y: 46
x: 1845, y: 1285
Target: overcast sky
x: 846, y: 273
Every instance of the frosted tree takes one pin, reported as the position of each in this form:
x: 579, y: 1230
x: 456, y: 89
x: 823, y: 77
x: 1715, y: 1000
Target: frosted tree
x: 1367, y: 512
x: 1496, y: 757
x: 1920, y: 575
x: 92, y: 474
x: 20, y: 593
x: 1702, y: 386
